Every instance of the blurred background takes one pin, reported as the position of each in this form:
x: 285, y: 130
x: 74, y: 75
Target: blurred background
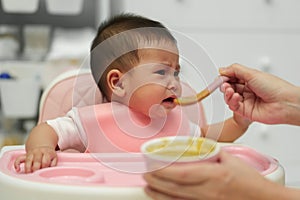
x: 40, y: 39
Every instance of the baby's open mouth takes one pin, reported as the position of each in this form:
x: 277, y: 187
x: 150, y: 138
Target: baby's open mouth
x: 169, y: 100
x: 168, y: 103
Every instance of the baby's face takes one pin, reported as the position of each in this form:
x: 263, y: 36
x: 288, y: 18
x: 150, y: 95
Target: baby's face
x: 153, y: 84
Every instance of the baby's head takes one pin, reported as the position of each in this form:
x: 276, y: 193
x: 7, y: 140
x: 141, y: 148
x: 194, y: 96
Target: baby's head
x: 134, y: 60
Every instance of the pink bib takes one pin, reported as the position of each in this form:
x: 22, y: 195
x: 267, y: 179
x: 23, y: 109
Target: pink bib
x: 113, y: 127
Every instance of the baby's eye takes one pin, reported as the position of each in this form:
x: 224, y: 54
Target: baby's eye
x: 160, y: 72
x: 176, y: 73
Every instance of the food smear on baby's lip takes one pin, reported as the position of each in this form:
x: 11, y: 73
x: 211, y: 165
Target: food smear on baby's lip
x: 191, y: 147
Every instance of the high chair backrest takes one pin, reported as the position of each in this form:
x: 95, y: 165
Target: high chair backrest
x: 74, y: 88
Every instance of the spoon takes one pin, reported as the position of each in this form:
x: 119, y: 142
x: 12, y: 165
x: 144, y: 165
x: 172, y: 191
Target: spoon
x: 183, y: 101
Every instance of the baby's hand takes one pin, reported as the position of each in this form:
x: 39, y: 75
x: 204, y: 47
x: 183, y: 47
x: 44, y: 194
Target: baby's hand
x: 37, y: 158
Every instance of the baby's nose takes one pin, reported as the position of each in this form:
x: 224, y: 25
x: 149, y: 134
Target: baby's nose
x: 173, y: 84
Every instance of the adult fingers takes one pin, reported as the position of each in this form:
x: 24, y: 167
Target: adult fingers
x: 190, y: 173
x: 166, y: 189
x: 235, y: 102
x: 157, y: 195
x: 186, y: 174
x: 242, y: 73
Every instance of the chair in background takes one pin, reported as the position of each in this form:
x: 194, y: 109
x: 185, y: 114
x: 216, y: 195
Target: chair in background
x: 19, y: 99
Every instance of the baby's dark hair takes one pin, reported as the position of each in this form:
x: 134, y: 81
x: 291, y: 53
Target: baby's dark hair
x: 117, y: 43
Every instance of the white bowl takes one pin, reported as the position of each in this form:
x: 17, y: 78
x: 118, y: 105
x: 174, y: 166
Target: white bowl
x: 161, y: 152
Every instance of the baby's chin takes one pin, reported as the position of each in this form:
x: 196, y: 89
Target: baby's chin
x: 159, y: 111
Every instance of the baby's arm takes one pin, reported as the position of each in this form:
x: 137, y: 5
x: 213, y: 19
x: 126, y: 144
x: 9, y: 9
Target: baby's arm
x: 225, y: 131
x: 40, y: 149
x: 228, y: 130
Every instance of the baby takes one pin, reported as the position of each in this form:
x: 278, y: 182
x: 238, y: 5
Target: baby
x: 135, y: 63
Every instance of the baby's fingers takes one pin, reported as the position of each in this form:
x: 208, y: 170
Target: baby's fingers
x: 30, y: 163
x: 53, y: 162
x: 18, y: 162
x: 49, y: 160
x: 37, y: 162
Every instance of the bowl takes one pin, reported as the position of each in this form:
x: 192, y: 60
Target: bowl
x: 161, y: 152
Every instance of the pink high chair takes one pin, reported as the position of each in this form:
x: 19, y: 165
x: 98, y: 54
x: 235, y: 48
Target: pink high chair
x: 77, y: 175
x: 60, y: 96
x: 80, y: 175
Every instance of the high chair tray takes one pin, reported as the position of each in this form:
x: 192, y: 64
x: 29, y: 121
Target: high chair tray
x: 84, y: 169
x: 99, y: 176
x: 77, y: 176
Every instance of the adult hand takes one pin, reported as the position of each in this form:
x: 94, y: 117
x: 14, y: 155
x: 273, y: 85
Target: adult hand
x: 230, y: 178
x: 260, y: 96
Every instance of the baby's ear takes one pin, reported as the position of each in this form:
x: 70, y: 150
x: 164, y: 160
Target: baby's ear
x: 114, y: 82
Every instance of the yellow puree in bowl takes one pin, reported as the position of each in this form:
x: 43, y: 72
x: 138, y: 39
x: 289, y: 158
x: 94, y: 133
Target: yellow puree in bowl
x: 191, y: 147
